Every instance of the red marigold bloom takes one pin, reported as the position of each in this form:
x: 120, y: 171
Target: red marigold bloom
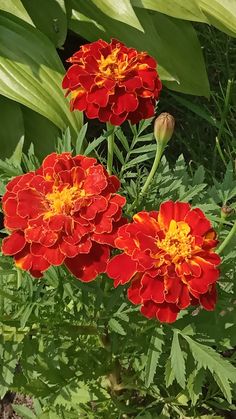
x: 67, y: 211
x: 168, y: 258
x: 112, y: 82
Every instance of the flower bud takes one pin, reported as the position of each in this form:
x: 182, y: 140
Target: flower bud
x: 164, y: 128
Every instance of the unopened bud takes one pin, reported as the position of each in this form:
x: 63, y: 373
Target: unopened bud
x: 164, y: 128
x: 226, y: 211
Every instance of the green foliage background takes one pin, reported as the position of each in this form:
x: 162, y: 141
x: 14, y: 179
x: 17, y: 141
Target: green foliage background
x: 81, y: 350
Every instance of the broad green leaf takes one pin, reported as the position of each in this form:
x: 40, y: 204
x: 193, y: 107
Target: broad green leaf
x: 221, y: 14
x: 23, y: 411
x: 121, y: 11
x: 177, y: 360
x: 49, y: 16
x: 16, y: 8
x: 181, y: 9
x: 11, y: 127
x: 172, y: 42
x: 31, y: 72
x: 153, y: 356
x: 39, y: 131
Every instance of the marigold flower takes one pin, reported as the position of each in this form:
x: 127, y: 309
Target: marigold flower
x: 67, y: 211
x: 112, y: 82
x: 168, y: 258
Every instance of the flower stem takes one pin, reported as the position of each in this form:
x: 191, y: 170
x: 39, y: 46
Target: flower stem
x: 110, y: 148
x: 227, y: 239
x: 159, y: 152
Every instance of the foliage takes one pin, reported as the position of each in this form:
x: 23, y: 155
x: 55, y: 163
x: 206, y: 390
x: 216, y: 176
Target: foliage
x: 80, y: 348
x: 31, y: 70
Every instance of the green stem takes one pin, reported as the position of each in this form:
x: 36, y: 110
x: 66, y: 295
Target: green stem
x: 227, y: 239
x: 159, y: 152
x: 222, y: 122
x: 110, y: 148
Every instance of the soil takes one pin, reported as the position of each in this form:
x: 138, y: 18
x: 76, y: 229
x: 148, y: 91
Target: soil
x: 6, y: 410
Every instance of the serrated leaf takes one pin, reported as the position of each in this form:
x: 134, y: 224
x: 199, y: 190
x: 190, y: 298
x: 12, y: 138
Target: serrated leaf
x: 154, y: 352
x: 177, y: 360
x: 23, y: 411
x: 93, y: 145
x: 208, y: 358
x: 115, y: 326
x: 195, y: 383
x: 169, y: 373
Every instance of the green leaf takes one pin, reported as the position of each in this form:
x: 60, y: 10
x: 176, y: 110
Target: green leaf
x: 16, y: 8
x: 207, y: 358
x: 181, y: 9
x: 31, y: 72
x: 221, y: 14
x: 172, y: 42
x: 153, y: 356
x: 195, y: 383
x: 121, y: 11
x: 39, y: 131
x: 11, y: 127
x: 16, y: 157
x: 177, y: 360
x: 50, y: 18
x: 23, y: 411
x: 93, y: 145
x: 115, y: 326
x: 81, y: 138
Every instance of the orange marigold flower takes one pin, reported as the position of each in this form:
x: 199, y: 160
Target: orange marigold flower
x: 67, y: 211
x: 112, y: 82
x: 168, y: 258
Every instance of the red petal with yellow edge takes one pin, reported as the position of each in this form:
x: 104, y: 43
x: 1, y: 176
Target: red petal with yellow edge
x: 134, y: 290
x: 173, y: 287
x: 198, y: 222
x: 146, y: 224
x: 152, y: 289
x: 30, y: 203
x: 15, y: 222
x: 184, y: 297
x: 121, y: 268
x: 52, y: 254
x: 95, y: 181
x: 208, y: 300
x: 172, y: 211
x: 86, y: 267
x: 14, y: 243
x: 10, y: 206
x: 109, y: 238
x: 149, y: 309
x: 209, y: 276
x: 167, y: 313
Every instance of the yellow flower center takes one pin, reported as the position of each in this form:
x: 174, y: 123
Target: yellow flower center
x: 177, y: 242
x: 62, y: 202
x: 116, y: 67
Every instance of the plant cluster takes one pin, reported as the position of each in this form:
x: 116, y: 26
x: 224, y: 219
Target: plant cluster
x: 117, y: 294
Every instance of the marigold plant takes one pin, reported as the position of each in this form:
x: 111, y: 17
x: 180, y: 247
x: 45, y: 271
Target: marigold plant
x: 168, y: 259
x: 67, y: 211
x: 112, y: 82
